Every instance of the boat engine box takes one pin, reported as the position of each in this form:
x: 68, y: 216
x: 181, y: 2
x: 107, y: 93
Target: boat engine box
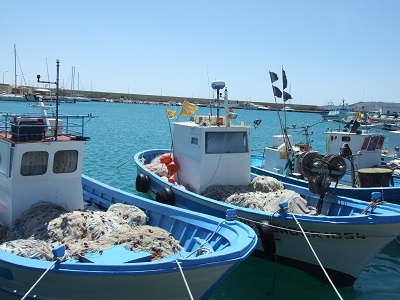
x: 27, y: 130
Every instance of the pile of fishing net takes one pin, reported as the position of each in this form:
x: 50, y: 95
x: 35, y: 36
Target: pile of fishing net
x: 264, y: 193
x: 158, y: 168
x: 48, y: 225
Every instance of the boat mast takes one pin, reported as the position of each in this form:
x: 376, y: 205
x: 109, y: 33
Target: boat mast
x: 15, y: 70
x: 57, y: 94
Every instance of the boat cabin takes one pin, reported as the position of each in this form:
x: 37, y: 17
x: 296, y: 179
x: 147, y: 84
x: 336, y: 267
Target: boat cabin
x: 366, y: 148
x: 35, y: 167
x: 209, y: 155
x: 210, y: 150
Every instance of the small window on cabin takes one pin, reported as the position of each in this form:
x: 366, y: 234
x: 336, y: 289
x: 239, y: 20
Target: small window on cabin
x: 345, y: 139
x: 65, y: 161
x: 226, y: 142
x: 195, y: 141
x: 34, y: 163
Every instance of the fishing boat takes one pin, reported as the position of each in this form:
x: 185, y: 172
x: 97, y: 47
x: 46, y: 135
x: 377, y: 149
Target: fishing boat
x: 249, y: 105
x: 208, y: 171
x: 339, y: 113
x: 353, y: 163
x: 67, y: 236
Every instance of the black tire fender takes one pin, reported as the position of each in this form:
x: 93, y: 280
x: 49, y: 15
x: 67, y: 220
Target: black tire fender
x: 165, y: 196
x: 142, y: 183
x: 267, y: 238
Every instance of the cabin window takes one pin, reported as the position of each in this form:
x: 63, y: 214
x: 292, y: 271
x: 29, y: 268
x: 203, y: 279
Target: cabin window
x: 345, y: 138
x: 65, y: 161
x: 195, y: 141
x: 226, y: 142
x: 34, y: 163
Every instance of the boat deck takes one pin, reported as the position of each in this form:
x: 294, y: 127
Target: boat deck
x: 7, y: 136
x: 35, y: 128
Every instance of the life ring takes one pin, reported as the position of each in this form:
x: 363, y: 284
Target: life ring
x: 165, y: 196
x: 142, y: 183
x: 267, y: 238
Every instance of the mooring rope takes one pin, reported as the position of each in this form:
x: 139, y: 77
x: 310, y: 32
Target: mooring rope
x: 125, y: 162
x: 312, y: 249
x: 184, y: 279
x: 40, y: 278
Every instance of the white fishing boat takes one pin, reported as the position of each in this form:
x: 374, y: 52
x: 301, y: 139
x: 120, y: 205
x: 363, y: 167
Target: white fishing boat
x: 249, y: 105
x: 118, y: 245
x: 339, y: 113
x: 362, y: 165
x: 208, y: 170
x: 11, y: 97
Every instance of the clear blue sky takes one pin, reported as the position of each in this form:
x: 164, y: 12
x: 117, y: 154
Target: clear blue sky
x: 329, y: 49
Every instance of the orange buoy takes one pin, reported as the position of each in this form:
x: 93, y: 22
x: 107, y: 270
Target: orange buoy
x: 165, y: 158
x: 172, y: 168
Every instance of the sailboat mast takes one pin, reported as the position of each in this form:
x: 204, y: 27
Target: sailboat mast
x: 15, y: 70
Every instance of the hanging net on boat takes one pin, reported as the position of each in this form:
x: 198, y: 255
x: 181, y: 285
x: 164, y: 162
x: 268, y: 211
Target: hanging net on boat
x: 264, y: 193
x: 48, y: 225
x: 157, y: 167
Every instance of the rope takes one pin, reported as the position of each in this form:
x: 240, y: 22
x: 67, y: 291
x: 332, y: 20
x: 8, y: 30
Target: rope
x: 184, y: 279
x: 323, y: 269
x: 208, y: 240
x: 287, y: 229
x: 40, y: 278
x: 309, y: 233
x: 125, y: 162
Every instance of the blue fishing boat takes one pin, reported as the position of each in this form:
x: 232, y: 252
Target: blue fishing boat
x: 67, y: 236
x: 208, y: 171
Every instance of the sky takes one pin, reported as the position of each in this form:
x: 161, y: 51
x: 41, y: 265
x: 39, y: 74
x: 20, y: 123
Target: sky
x: 330, y: 50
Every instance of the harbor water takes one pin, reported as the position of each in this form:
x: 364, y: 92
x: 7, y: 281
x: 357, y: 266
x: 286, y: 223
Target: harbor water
x: 121, y: 130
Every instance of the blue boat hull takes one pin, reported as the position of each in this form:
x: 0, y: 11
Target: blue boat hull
x: 229, y: 242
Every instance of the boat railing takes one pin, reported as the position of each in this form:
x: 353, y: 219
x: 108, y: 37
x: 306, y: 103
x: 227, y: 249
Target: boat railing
x: 36, y: 126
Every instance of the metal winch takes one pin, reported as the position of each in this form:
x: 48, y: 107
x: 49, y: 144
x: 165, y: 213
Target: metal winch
x: 320, y: 170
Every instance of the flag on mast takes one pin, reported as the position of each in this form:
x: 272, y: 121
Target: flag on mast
x: 284, y: 79
x: 277, y: 92
x: 171, y: 113
x: 273, y: 76
x: 286, y: 96
x: 188, y: 109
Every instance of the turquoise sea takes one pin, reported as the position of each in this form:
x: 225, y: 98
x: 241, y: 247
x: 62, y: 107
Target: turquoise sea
x: 121, y: 130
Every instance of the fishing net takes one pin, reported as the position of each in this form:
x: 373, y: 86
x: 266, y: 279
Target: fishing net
x: 264, y: 193
x: 81, y: 232
x: 157, y: 167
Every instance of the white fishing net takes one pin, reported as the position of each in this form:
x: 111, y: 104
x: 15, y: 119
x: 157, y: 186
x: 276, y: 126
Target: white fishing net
x: 264, y: 193
x: 47, y: 225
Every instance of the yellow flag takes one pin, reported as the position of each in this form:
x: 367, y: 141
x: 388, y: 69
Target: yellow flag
x: 188, y: 109
x: 171, y: 113
x: 359, y: 116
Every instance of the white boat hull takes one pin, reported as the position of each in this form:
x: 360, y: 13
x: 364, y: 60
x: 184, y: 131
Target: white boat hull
x: 344, y: 242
